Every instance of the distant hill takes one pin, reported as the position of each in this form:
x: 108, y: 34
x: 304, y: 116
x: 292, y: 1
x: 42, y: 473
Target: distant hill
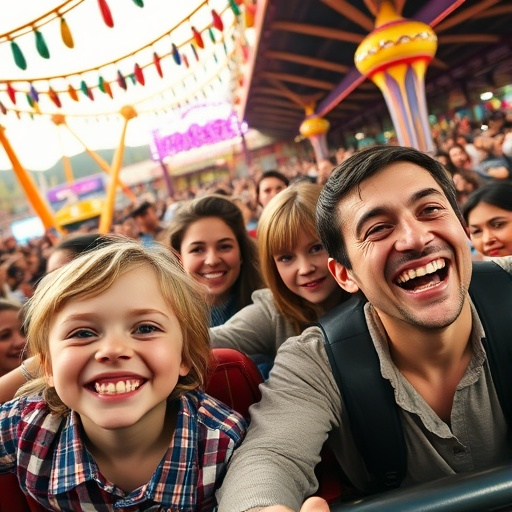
x: 11, y: 194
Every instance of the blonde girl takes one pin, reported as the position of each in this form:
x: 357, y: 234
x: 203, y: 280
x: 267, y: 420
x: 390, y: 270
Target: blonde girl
x: 121, y: 334
x: 294, y: 266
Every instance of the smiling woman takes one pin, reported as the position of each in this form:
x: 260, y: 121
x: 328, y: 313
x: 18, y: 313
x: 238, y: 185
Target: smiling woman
x: 213, y: 245
x: 488, y: 213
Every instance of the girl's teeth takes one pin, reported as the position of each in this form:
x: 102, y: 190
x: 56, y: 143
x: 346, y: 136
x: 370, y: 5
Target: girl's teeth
x: 111, y: 388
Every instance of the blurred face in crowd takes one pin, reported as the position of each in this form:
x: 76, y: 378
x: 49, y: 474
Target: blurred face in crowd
x: 459, y: 157
x: 490, y: 228
x: 211, y: 254
x: 11, y: 340
x: 148, y: 220
x: 269, y: 187
x: 57, y: 259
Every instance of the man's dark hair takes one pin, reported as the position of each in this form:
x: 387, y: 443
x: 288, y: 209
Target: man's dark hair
x: 356, y: 169
x: 141, y: 209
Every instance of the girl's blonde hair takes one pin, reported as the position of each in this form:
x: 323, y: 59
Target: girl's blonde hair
x: 91, y: 274
x: 287, y: 215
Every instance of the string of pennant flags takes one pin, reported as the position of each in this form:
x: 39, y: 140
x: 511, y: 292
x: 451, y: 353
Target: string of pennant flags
x: 186, y: 54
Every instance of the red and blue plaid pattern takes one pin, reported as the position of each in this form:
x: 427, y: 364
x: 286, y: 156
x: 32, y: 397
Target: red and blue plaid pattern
x: 55, y: 468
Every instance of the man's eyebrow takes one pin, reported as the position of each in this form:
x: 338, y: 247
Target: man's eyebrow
x: 374, y: 212
x: 380, y: 210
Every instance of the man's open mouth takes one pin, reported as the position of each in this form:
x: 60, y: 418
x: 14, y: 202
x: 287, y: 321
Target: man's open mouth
x: 424, y: 277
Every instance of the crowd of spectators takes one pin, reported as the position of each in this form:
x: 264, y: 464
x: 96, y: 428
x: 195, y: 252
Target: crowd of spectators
x: 247, y: 246
x: 473, y: 153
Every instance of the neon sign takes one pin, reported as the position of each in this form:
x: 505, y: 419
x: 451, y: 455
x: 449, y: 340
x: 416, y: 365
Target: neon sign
x: 198, y: 126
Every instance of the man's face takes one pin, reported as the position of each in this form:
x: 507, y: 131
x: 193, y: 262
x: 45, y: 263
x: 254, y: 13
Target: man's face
x: 147, y: 220
x: 410, y: 253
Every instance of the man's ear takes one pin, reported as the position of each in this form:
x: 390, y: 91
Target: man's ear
x: 342, y: 275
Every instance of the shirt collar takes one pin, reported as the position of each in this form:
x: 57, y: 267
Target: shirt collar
x: 73, y: 465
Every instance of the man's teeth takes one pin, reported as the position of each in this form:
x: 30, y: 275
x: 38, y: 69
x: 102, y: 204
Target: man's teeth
x: 111, y: 388
x: 430, y: 268
x: 213, y: 275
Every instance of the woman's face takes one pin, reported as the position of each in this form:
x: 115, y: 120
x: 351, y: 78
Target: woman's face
x: 211, y: 254
x: 57, y: 259
x: 459, y: 157
x: 304, y: 270
x: 490, y: 228
x: 12, y: 341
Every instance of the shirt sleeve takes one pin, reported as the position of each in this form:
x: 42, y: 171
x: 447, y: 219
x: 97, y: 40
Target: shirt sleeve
x: 252, y: 330
x: 300, y: 406
x: 10, y: 418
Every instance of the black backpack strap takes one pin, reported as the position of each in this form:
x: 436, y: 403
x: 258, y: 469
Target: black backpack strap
x: 367, y: 396
x: 491, y: 293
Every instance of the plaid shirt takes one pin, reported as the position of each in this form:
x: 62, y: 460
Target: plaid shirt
x: 55, y: 468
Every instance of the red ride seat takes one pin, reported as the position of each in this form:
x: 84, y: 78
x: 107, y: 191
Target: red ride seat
x: 234, y: 380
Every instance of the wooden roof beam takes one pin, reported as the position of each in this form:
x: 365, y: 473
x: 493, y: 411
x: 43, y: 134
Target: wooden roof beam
x: 468, y: 38
x: 372, y: 6
x: 307, y: 61
x: 276, y: 103
x: 278, y: 84
x: 495, y: 11
x: 279, y: 111
x: 352, y: 13
x: 465, y: 14
x: 317, y: 31
x: 298, y: 79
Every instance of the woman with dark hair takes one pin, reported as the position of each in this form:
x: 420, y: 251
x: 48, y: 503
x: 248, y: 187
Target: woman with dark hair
x: 269, y: 185
x: 209, y: 235
x: 488, y: 213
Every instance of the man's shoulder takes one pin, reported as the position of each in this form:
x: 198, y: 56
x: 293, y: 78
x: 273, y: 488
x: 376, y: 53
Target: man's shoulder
x: 505, y: 262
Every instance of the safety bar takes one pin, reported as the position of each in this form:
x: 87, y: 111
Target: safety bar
x: 481, y: 491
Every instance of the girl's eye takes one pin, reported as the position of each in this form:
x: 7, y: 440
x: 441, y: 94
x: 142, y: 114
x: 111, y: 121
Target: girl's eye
x: 145, y: 329
x: 226, y: 247
x: 284, y: 258
x: 5, y: 335
x: 317, y: 248
x: 81, y: 333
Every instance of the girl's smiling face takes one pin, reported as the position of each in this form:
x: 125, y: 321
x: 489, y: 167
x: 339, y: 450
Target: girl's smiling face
x: 304, y: 270
x: 116, y: 357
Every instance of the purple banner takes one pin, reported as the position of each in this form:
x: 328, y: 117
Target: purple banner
x: 79, y: 189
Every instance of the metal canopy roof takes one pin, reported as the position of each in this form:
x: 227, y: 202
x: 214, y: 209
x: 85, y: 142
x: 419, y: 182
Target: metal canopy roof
x: 305, y: 49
